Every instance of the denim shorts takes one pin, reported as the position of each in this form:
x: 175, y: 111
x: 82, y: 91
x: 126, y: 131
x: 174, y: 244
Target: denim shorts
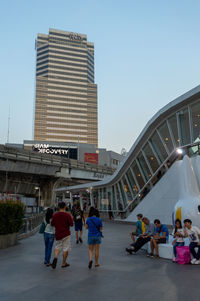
x: 94, y: 240
x: 78, y: 226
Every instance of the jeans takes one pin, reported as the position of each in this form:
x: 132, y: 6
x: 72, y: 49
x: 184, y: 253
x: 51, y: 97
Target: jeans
x: 48, y: 240
x: 192, y: 246
x: 177, y: 244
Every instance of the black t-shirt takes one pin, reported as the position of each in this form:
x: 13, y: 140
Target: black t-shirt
x: 77, y: 214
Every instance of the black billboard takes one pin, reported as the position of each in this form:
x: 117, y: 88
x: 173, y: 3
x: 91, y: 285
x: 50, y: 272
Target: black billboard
x: 67, y: 152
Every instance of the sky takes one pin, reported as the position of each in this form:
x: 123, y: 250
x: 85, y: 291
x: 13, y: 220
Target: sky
x: 146, y: 54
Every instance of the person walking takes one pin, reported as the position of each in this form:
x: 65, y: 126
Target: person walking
x: 78, y: 222
x: 62, y: 221
x: 94, y: 226
x: 49, y: 235
x: 110, y: 213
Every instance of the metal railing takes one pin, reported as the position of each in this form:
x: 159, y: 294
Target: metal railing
x: 31, y: 223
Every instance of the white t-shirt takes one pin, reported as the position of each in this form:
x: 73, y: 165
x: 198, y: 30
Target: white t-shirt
x: 193, y: 234
x: 49, y: 229
x: 179, y: 239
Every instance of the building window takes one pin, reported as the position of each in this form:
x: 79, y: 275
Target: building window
x: 173, y: 125
x: 144, y: 166
x: 137, y: 174
x: 151, y: 158
x: 195, y: 112
x: 164, y: 132
x: 183, y: 118
x: 115, y: 162
x: 158, y: 147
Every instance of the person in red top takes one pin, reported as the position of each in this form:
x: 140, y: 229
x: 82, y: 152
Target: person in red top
x: 62, y: 221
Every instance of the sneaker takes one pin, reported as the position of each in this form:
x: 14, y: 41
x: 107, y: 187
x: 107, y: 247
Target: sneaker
x: 129, y: 251
x: 54, y: 263
x: 80, y: 239
x: 197, y: 262
x: 174, y: 259
x: 193, y: 261
x: 150, y: 255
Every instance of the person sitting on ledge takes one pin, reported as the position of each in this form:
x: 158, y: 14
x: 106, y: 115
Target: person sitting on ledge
x: 143, y: 238
x: 161, y: 237
x: 140, y: 228
x: 193, y: 233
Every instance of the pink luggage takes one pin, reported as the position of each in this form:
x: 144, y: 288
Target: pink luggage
x: 183, y: 255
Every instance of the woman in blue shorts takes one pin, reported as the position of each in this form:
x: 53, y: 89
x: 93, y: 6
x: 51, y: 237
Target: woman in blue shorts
x: 94, y: 226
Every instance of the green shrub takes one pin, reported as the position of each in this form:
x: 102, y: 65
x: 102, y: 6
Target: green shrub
x: 11, y: 216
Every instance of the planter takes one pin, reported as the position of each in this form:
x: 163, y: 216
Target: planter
x: 8, y: 240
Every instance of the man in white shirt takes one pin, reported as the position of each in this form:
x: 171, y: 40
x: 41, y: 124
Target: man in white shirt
x: 193, y: 233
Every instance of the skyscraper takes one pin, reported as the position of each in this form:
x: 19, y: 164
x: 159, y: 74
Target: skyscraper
x: 66, y: 95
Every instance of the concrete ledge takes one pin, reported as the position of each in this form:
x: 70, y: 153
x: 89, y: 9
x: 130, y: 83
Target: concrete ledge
x: 28, y: 234
x: 8, y: 240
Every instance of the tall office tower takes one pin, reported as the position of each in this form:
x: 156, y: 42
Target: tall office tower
x: 66, y: 95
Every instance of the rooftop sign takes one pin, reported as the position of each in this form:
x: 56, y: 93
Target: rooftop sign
x: 74, y: 36
x: 53, y: 150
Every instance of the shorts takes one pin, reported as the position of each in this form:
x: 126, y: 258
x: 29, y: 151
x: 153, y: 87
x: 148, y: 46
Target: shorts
x: 94, y: 240
x: 161, y: 241
x: 63, y: 244
x: 78, y: 226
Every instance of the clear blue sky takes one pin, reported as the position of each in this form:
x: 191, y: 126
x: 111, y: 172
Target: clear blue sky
x: 147, y: 52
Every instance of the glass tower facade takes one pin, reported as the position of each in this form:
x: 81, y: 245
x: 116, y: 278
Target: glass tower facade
x: 66, y: 95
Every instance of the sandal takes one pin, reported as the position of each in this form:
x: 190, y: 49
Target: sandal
x: 54, y: 263
x: 90, y: 264
x: 65, y: 266
x: 97, y: 265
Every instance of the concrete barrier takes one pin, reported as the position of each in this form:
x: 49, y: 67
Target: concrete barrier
x: 8, y: 240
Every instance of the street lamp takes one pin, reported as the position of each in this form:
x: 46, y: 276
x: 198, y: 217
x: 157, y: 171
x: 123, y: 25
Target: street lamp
x: 38, y: 188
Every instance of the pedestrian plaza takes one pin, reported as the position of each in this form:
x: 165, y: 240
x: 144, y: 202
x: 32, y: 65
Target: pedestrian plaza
x: 24, y: 277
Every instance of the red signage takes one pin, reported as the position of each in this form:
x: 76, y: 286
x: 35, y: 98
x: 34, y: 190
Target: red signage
x: 91, y: 158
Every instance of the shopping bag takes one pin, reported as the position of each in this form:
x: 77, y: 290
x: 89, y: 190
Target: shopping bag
x: 183, y: 255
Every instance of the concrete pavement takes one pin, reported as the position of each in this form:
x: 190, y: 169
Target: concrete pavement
x: 121, y: 277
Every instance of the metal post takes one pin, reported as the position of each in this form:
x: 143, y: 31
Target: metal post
x: 39, y: 200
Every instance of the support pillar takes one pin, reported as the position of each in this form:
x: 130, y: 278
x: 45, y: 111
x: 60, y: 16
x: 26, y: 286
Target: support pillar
x: 91, y: 198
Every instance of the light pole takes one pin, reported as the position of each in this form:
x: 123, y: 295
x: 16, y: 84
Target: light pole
x: 38, y: 188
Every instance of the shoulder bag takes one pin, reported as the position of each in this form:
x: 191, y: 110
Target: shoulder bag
x: 97, y: 228
x: 42, y: 227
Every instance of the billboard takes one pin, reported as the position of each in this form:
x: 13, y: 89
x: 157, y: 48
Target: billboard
x: 67, y: 152
x: 91, y: 158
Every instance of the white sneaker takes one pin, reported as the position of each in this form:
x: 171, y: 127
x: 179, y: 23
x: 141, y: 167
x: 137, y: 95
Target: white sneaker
x: 197, y: 262
x: 193, y: 261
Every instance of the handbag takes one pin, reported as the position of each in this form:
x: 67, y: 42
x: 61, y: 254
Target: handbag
x: 42, y: 227
x: 97, y: 228
x: 183, y: 255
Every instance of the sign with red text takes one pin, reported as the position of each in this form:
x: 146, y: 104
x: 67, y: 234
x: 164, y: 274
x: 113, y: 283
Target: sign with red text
x: 91, y: 158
